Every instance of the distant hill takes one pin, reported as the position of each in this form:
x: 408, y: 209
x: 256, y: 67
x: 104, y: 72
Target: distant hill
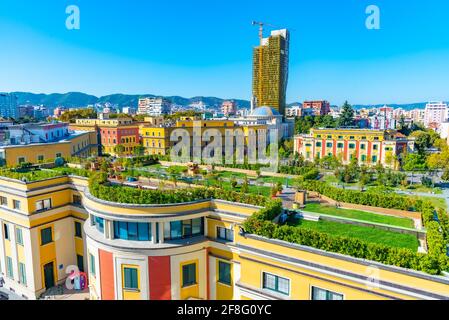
x: 79, y: 99
x: 409, y: 106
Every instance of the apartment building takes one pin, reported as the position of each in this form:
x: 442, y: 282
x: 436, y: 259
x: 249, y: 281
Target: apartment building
x: 435, y: 113
x: 317, y: 108
x: 154, y: 106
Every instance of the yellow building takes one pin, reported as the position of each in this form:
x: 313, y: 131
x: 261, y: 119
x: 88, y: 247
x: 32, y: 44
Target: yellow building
x: 370, y: 147
x: 80, y: 144
x: 156, y: 140
x: 191, y: 250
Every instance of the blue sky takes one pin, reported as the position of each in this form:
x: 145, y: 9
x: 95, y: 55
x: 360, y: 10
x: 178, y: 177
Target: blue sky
x: 204, y: 47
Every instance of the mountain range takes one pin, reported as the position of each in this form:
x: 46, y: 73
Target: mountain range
x: 79, y: 99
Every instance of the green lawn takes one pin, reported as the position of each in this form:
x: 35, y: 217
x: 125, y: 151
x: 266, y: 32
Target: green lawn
x: 368, y: 234
x: 360, y: 215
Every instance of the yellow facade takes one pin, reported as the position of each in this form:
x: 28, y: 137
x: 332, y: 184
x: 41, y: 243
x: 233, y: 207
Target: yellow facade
x: 82, y: 145
x: 245, y: 259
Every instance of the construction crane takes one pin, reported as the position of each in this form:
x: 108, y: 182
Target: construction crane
x: 261, y: 25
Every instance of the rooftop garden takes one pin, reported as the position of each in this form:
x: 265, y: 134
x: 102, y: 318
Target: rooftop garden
x: 29, y: 175
x: 359, y: 215
x: 390, y: 249
x: 366, y: 234
x: 101, y: 188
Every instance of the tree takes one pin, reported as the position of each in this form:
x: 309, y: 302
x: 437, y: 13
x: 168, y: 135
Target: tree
x: 119, y: 149
x: 414, y: 162
x: 347, y: 116
x: 139, y: 150
x: 71, y: 116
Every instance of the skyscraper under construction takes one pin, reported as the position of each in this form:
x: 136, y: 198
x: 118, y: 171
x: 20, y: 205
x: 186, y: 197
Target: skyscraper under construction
x: 270, y: 71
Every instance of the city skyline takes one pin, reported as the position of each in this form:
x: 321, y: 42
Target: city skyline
x: 403, y: 62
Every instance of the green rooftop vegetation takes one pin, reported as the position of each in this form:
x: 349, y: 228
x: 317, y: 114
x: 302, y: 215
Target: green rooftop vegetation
x: 366, y: 234
x: 359, y: 215
x: 29, y: 175
x: 362, y: 242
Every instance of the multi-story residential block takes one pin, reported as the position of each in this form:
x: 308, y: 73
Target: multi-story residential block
x: 270, y: 71
x: 293, y: 111
x: 416, y: 115
x: 435, y: 113
x: 380, y: 122
x: 370, y: 147
x: 8, y: 106
x: 185, y: 251
x: 116, y: 136
x: 26, y: 111
x: 229, y: 108
x: 129, y: 110
x: 318, y: 108
x: 386, y: 111
x: 154, y: 106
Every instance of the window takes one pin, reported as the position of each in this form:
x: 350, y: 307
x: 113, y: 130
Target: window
x: 80, y: 262
x: 329, y: 144
x: 189, y: 275
x: 6, y: 231
x: 374, y: 159
x: 99, y: 223
x: 363, y: 157
x: 363, y: 146
x: 321, y: 294
x: 3, y: 201
x: 363, y: 138
x: 43, y: 205
x: 351, y: 146
x: 19, y: 236
x: 9, y: 270
x: 21, y: 160
x: 340, y: 145
x: 58, y: 155
x: 318, y: 144
x: 76, y: 199
x: 224, y: 272
x: 132, y: 231
x: 16, y: 204
x: 22, y: 274
x: 92, y: 264
x: 46, y: 236
x: 78, y: 232
x: 184, y: 229
x: 130, y: 279
x: 375, y: 147
x: 40, y: 158
x: 225, y: 234
x: 275, y: 283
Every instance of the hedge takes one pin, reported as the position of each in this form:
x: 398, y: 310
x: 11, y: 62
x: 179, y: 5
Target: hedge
x: 434, y: 262
x: 100, y: 188
x: 389, y: 201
